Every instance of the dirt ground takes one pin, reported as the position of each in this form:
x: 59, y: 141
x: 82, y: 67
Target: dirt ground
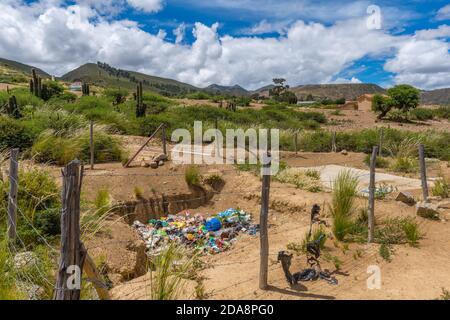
x: 413, y: 273
x: 355, y: 120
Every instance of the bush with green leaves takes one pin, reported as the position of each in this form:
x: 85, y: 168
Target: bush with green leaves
x: 16, y: 134
x: 38, y: 215
x: 422, y: 114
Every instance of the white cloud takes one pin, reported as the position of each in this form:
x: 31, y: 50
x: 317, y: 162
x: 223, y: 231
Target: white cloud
x: 264, y: 27
x: 444, y: 13
x: 343, y: 80
x: 423, y: 63
x: 147, y: 5
x: 442, y: 31
x: 114, y: 7
x: 179, y: 33
x: 58, y: 39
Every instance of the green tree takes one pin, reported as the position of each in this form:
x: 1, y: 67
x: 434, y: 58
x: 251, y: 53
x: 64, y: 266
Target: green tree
x: 381, y: 105
x: 280, y: 92
x: 404, y: 97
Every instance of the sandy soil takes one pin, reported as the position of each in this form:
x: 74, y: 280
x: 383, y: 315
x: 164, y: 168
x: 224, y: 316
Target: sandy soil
x: 355, y: 120
x: 414, y: 273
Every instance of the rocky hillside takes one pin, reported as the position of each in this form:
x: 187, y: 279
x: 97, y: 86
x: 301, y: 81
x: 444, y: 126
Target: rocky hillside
x: 103, y: 75
x: 439, y: 97
x: 16, y: 72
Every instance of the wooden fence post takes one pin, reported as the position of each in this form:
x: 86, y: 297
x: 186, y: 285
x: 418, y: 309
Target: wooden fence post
x: 296, y: 142
x: 216, y: 126
x: 264, y: 239
x: 72, y: 250
x: 91, y: 141
x: 371, y: 212
x: 91, y: 271
x: 164, y: 139
x: 380, y: 146
x: 333, y: 143
x: 423, y: 172
x: 12, y: 199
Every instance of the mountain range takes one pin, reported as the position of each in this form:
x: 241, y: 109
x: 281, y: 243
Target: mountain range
x: 104, y: 75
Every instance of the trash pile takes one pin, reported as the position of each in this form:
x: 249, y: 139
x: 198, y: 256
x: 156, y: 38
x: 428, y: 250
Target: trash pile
x: 208, y: 235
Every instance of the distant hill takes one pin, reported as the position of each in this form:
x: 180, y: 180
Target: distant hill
x: 103, y: 75
x: 230, y: 90
x: 350, y: 91
x: 22, y: 68
x: 439, y: 97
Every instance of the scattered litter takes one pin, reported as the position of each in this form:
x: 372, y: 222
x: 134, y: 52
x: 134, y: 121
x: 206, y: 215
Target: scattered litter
x: 208, y: 235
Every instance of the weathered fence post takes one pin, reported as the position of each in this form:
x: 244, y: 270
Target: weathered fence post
x: 68, y: 279
x: 12, y: 199
x: 371, y: 209
x: 333, y: 142
x: 423, y: 172
x: 91, y: 141
x: 296, y: 142
x: 264, y: 239
x: 164, y: 139
x: 380, y: 146
x: 216, y: 126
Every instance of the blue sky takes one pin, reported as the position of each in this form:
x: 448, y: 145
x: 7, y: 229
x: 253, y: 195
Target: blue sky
x: 245, y: 42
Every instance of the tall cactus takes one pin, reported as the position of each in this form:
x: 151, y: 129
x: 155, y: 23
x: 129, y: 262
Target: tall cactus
x: 13, y: 108
x: 141, y: 107
x: 35, y: 84
x: 85, y: 89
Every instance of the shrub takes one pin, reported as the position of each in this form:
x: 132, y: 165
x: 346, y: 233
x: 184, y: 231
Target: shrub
x: 342, y: 204
x: 422, y: 114
x: 192, y: 176
x: 8, y: 289
x: 305, y: 180
x: 51, y: 89
x: 385, y: 252
x: 38, y: 207
x: 412, y: 233
x: 15, y: 134
x: 62, y: 150
x: 138, y: 193
x: 443, y: 112
x: 102, y: 202
x: 117, y: 96
x: 379, y: 163
x: 316, y: 235
x: 441, y: 188
x: 172, y: 267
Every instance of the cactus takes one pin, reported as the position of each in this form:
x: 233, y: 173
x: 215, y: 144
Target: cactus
x: 35, y: 84
x: 141, y: 107
x: 85, y: 89
x: 13, y: 108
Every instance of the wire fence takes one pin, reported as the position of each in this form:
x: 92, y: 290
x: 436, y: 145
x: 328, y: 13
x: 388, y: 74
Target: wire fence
x: 54, y: 248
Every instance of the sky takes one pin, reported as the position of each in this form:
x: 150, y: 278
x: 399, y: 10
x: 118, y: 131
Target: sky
x: 243, y: 42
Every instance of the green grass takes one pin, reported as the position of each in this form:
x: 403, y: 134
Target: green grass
x: 172, y: 267
x: 305, y: 180
x: 192, y: 176
x: 441, y: 188
x: 343, y: 203
x: 380, y: 162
